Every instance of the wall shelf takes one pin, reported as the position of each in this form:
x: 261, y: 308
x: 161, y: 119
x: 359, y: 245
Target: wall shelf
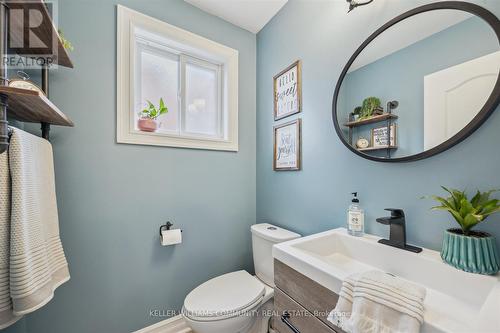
x: 46, y: 32
x: 377, y: 148
x: 388, y: 117
x: 33, y: 107
x: 22, y: 104
x: 371, y: 120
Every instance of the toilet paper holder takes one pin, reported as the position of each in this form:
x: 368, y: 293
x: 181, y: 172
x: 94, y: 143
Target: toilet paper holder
x: 166, y: 226
x: 168, y: 236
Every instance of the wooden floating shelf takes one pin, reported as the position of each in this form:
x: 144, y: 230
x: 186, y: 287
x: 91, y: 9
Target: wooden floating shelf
x: 371, y: 120
x: 377, y: 148
x: 33, y: 107
x: 46, y: 32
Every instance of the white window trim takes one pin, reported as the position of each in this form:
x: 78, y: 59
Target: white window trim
x: 194, y: 45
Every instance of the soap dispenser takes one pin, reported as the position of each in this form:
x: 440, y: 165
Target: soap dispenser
x: 355, y: 217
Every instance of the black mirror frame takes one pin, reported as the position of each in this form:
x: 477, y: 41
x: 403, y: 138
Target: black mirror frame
x: 489, y: 107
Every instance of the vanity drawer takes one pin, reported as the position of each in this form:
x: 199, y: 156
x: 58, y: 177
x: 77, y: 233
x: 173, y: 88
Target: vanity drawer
x: 308, y: 293
x: 301, y: 319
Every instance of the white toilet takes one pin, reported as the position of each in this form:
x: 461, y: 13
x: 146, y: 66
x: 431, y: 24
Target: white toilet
x: 238, y: 302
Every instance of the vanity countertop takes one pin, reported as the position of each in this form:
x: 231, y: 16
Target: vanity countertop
x: 456, y: 301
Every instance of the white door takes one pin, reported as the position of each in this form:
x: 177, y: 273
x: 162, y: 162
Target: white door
x: 454, y: 96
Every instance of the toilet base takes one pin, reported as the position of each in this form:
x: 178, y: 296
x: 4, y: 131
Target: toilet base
x: 259, y: 322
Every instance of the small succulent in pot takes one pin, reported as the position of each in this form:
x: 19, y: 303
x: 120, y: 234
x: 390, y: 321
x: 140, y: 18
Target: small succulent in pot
x: 356, y: 113
x: 464, y: 248
x: 148, y: 117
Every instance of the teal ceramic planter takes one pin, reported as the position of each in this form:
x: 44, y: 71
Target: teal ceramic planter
x: 476, y: 253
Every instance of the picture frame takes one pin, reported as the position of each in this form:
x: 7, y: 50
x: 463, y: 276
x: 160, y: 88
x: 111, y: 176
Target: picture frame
x: 379, y: 137
x: 287, y: 91
x: 287, y: 146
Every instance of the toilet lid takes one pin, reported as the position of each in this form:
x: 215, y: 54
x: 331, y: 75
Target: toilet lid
x: 224, y: 295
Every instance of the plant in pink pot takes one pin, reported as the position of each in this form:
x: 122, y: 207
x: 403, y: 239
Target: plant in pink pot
x: 148, y: 117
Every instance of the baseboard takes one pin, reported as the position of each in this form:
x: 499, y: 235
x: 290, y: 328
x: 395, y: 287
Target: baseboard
x: 172, y: 325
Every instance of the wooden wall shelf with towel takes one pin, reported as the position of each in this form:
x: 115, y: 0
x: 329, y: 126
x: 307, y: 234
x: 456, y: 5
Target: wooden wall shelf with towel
x: 22, y: 104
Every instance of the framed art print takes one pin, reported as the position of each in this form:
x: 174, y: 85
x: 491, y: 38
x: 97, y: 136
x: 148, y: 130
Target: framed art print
x: 287, y: 146
x: 288, y: 91
x: 379, y: 136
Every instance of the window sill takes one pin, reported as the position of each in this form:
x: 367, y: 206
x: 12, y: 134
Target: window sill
x: 165, y: 140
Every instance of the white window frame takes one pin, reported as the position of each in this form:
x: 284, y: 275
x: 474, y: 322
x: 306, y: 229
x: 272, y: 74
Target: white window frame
x: 191, y: 49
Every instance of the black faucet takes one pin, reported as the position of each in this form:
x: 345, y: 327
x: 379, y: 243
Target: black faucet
x: 397, y: 237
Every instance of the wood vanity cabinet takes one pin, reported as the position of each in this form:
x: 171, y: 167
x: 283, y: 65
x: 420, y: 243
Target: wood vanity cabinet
x: 304, y: 303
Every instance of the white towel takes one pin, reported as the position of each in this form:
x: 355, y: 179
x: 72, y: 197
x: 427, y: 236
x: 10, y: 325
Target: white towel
x: 342, y: 313
x: 378, y: 302
x: 7, y: 318
x: 37, y: 265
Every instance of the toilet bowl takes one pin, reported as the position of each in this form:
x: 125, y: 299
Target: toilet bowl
x: 238, y: 302
x: 228, y: 303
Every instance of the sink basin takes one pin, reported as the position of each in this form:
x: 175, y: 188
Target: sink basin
x: 456, y: 301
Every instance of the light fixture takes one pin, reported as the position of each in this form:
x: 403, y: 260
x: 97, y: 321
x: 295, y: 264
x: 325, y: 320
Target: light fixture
x: 353, y: 4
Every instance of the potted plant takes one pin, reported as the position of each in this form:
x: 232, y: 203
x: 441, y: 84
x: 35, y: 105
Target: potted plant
x: 464, y: 248
x: 356, y: 113
x: 148, y: 117
x: 370, y: 104
x: 65, y: 42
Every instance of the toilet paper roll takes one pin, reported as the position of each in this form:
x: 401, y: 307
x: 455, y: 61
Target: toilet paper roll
x: 171, y: 237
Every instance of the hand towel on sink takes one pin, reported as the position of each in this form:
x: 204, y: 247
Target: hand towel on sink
x: 379, y: 303
x: 342, y: 312
x: 37, y: 262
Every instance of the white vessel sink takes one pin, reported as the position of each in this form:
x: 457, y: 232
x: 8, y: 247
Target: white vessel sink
x: 456, y: 301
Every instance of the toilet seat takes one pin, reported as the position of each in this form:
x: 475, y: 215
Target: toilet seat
x: 223, y: 297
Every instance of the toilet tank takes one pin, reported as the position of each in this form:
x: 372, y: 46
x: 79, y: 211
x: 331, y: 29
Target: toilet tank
x: 264, y: 236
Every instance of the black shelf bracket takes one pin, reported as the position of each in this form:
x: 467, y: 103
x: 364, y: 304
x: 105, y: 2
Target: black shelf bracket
x: 45, y: 88
x: 390, y: 106
x: 4, y: 124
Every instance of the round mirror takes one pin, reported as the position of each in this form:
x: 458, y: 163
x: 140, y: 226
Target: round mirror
x: 420, y: 84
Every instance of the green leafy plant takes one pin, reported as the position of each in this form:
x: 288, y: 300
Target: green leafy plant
x: 467, y: 213
x: 153, y: 112
x: 66, y: 43
x: 369, y: 105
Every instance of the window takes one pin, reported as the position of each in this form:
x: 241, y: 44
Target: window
x: 196, y: 78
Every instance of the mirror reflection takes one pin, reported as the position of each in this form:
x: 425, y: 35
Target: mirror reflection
x: 418, y: 84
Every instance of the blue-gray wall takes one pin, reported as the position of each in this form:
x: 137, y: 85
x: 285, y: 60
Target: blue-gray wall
x: 110, y: 209
x: 324, y: 36
x: 400, y: 76
x: 113, y: 197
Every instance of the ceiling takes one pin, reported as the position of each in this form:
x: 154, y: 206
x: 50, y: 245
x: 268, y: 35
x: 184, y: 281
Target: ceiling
x: 251, y: 15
